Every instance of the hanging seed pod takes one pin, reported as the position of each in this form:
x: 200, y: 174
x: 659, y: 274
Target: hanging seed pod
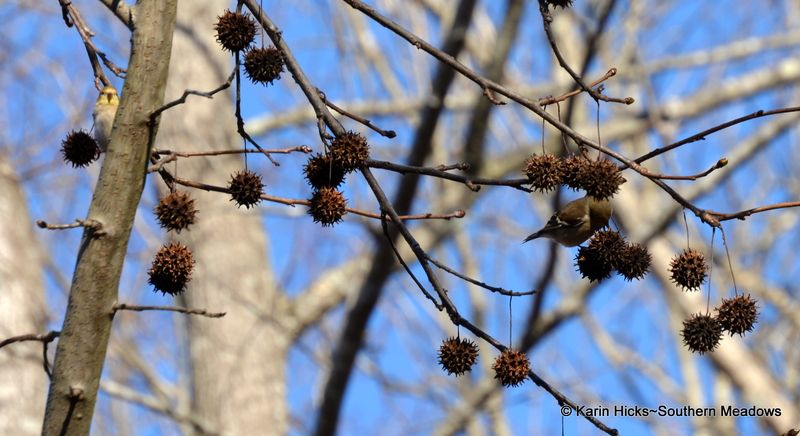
x: 79, y: 148
x: 457, y: 355
x: 246, y: 188
x: 701, y: 333
x: 327, y: 206
x: 511, y: 367
x: 171, y: 269
x: 235, y: 31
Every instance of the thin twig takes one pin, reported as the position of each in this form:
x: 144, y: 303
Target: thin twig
x: 730, y: 264
x: 300, y: 148
x: 186, y: 310
x: 479, y: 283
x: 702, y: 135
x: 238, y: 113
x: 44, y: 338
x: 546, y: 101
x: 72, y: 16
x: 295, y: 202
x: 473, y: 183
x: 123, y: 12
x: 547, y: 18
x: 164, y: 157
x: 385, y: 227
x: 186, y: 93
x: 352, y: 116
x: 720, y: 164
x: 746, y: 213
x: 93, y: 225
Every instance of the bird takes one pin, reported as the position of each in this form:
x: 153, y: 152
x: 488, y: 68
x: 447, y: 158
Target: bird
x: 105, y: 108
x: 576, y: 222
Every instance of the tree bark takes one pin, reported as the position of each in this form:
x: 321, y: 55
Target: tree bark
x: 237, y: 362
x: 84, y: 337
x: 22, y: 310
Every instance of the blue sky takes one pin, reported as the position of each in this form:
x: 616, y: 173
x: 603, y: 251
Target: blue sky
x: 405, y: 331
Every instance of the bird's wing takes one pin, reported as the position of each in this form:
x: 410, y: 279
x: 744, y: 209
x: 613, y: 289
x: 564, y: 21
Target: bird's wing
x: 555, y: 222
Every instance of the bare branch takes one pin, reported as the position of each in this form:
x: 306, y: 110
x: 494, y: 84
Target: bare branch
x: 45, y: 338
x: 186, y: 310
x: 352, y: 116
x: 182, y: 99
x: 90, y: 224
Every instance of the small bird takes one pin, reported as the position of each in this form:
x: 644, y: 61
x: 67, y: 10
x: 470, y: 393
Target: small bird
x: 105, y: 108
x: 576, y: 222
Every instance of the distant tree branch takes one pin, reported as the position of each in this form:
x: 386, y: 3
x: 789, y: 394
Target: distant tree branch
x: 186, y: 310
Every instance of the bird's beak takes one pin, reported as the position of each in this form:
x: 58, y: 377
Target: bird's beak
x: 108, y: 97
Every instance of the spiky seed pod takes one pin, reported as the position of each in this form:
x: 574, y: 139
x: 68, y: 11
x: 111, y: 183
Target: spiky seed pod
x: 350, y: 150
x: 176, y: 211
x: 235, y: 31
x: 263, y: 65
x: 323, y: 172
x: 562, y: 3
x: 171, y: 269
x: 79, y: 148
x: 609, y: 246
x: 544, y: 171
x: 327, y: 206
x: 701, y: 333
x: 635, y: 262
x: 689, y: 269
x: 457, y: 355
x: 575, y: 171
x: 246, y: 188
x: 589, y: 263
x: 738, y: 314
x: 511, y: 367
x: 602, y: 180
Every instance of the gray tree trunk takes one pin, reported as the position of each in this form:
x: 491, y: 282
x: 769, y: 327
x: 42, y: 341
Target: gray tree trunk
x: 22, y: 310
x: 237, y: 362
x: 82, y: 346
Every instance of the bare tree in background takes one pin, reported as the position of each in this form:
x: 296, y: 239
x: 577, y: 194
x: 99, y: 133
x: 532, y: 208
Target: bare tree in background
x: 317, y: 318
x: 21, y: 310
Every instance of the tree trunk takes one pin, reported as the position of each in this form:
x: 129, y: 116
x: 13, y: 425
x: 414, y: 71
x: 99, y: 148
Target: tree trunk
x: 237, y: 362
x: 82, y: 346
x: 22, y: 310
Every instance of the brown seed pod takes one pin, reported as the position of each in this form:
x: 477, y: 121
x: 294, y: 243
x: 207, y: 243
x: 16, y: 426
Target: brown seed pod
x: 171, y: 269
x: 738, y: 314
x: 350, y: 150
x: 322, y: 171
x: 689, y: 269
x: 575, y: 171
x: 457, y: 355
x: 590, y: 265
x: 263, y: 65
x: 235, y: 31
x: 609, y: 246
x: 246, y: 188
x: 602, y: 180
x: 511, y: 367
x: 635, y: 262
x: 79, y: 148
x: 327, y: 206
x: 176, y: 211
x: 701, y: 333
x: 543, y: 171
